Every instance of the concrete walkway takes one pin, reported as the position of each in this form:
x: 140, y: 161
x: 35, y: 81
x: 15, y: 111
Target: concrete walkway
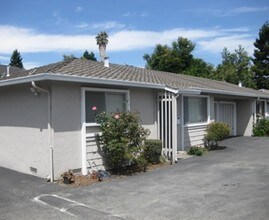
x: 226, y: 184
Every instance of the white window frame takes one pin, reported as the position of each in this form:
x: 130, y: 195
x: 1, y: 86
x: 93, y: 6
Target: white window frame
x: 265, y: 106
x: 208, y: 110
x: 105, y: 90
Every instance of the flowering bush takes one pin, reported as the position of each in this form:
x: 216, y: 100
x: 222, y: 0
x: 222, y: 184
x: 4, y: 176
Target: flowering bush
x: 122, y: 138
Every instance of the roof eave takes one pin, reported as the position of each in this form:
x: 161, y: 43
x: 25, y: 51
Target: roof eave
x: 78, y: 79
x: 183, y: 91
x: 212, y: 91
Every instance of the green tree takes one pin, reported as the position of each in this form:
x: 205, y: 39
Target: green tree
x: 88, y: 56
x: 235, y: 68
x: 67, y: 57
x: 102, y: 41
x: 261, y: 58
x: 176, y: 58
x: 16, y: 59
x: 200, y: 68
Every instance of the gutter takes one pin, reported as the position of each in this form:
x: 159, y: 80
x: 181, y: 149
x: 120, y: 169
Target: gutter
x: 79, y: 79
x: 183, y: 91
x: 37, y: 89
x: 216, y: 91
x: 102, y: 81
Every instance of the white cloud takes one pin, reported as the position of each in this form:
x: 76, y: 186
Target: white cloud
x: 231, y: 42
x: 246, y: 9
x: 82, y: 25
x: 236, y: 11
x: 59, y: 20
x: 135, y: 14
x: 213, y: 40
x: 30, y: 65
x: 231, y: 11
x: 79, y: 9
x: 4, y: 58
x: 107, y: 25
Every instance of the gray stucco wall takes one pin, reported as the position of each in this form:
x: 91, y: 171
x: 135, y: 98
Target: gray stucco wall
x: 245, y: 117
x: 66, y: 123
x: 144, y: 102
x: 24, y: 120
x: 23, y: 130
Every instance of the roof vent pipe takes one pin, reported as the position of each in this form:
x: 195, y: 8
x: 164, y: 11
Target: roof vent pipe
x: 240, y: 84
x: 8, y: 75
x: 106, y: 61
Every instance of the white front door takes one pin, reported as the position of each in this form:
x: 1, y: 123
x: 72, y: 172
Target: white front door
x: 227, y: 113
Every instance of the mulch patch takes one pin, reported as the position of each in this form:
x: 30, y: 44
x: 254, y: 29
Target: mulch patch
x: 81, y: 180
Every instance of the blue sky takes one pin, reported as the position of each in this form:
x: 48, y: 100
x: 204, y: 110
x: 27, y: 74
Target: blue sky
x: 45, y: 30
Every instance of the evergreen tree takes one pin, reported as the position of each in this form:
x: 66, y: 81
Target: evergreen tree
x: 88, y: 56
x: 178, y: 59
x: 16, y: 59
x: 67, y: 57
x: 261, y: 58
x: 235, y: 68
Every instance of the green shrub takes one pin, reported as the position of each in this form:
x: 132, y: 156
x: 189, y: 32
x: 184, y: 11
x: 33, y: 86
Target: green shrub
x: 122, y: 137
x: 140, y: 163
x: 153, y: 150
x: 215, y: 132
x: 198, y: 151
x: 261, y: 128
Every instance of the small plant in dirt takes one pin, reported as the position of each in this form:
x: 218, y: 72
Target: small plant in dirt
x: 215, y: 132
x: 153, y: 150
x: 261, y: 128
x: 68, y: 177
x: 198, y: 151
x: 122, y: 138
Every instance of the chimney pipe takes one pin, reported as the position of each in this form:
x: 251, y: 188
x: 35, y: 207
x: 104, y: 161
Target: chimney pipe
x: 240, y: 84
x: 8, y: 75
x: 106, y: 61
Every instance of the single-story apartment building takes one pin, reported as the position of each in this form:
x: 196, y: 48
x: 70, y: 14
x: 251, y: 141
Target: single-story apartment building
x: 47, y: 125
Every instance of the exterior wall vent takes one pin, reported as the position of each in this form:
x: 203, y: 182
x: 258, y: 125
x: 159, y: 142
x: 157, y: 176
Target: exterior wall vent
x: 33, y: 169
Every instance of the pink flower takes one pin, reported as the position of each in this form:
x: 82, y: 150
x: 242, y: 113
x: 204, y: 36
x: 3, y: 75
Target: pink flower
x: 117, y: 117
x: 94, y: 108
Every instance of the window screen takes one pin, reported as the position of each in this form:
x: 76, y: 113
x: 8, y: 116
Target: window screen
x: 104, y: 102
x: 195, y: 110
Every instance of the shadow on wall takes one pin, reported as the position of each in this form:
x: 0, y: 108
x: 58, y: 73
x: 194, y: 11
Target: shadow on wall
x: 21, y: 108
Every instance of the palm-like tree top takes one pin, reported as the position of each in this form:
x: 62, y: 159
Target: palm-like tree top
x: 102, y: 38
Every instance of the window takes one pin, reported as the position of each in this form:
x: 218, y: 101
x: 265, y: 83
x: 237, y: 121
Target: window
x: 260, y: 108
x: 195, y: 110
x: 104, y: 102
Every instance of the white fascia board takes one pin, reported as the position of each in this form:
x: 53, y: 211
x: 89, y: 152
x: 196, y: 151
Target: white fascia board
x: 23, y: 79
x: 183, y: 91
x: 213, y: 91
x: 80, y: 79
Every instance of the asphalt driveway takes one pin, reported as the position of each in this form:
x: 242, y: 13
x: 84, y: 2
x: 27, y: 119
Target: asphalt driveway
x: 226, y: 184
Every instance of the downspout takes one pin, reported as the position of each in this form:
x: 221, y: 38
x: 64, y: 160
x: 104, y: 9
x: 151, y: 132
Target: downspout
x: 182, y: 123
x: 175, y: 135
x: 39, y: 89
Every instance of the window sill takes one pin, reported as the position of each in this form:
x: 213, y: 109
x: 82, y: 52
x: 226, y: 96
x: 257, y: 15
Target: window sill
x: 196, y: 124
x: 93, y: 124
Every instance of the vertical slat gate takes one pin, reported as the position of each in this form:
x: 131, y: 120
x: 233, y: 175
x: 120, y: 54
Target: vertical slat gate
x: 167, y: 111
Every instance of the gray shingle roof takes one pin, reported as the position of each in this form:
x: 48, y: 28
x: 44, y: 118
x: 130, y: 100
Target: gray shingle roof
x: 14, y: 72
x: 96, y: 70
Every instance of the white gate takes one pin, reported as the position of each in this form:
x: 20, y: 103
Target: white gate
x: 167, y: 123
